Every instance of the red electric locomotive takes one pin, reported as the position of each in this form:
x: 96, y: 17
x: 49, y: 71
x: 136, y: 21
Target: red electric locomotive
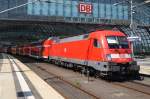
x: 105, y: 52
x: 13, y: 50
x: 1, y: 50
x: 39, y: 49
x: 26, y: 50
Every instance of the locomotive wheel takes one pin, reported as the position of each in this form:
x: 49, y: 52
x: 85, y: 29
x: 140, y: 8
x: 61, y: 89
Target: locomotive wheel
x: 75, y: 68
x: 138, y: 76
x: 92, y: 72
x: 84, y: 70
x: 70, y: 65
x: 65, y: 65
x: 61, y: 64
x: 141, y: 78
x: 97, y: 74
x: 88, y: 71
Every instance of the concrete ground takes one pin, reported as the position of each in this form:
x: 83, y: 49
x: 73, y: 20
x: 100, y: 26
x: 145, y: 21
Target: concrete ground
x: 17, y: 81
x: 144, y: 65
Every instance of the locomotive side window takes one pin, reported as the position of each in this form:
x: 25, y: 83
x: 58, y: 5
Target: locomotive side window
x: 96, y: 43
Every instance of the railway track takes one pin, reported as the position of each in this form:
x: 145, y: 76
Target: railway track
x: 61, y: 78
x: 135, y: 86
x: 142, y: 84
x: 131, y: 85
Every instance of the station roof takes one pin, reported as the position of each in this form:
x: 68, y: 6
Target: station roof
x: 18, y: 31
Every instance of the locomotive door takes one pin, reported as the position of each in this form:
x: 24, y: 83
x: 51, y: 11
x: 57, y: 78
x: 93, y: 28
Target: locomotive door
x: 40, y: 51
x: 95, y: 54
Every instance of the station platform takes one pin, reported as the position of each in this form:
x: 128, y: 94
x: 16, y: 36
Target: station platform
x: 144, y: 65
x: 17, y: 81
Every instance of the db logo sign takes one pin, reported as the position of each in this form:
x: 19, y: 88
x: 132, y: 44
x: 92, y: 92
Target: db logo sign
x: 85, y: 8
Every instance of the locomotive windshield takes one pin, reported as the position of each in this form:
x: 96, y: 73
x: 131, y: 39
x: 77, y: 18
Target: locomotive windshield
x: 117, y: 42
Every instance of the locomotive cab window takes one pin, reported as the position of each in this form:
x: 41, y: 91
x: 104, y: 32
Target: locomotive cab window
x: 117, y: 42
x: 96, y: 43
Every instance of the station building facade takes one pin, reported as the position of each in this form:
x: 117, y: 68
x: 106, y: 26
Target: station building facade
x: 111, y: 13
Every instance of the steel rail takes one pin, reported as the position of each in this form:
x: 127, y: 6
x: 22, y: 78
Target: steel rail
x: 131, y: 88
x: 73, y: 85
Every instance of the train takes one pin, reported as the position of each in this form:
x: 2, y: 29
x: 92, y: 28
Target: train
x: 104, y: 53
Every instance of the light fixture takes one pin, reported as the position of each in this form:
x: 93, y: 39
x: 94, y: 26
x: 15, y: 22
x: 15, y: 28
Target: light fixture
x: 147, y: 1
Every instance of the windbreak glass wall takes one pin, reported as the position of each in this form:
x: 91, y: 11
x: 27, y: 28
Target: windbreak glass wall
x: 144, y: 44
x: 3, y: 6
x: 16, y: 12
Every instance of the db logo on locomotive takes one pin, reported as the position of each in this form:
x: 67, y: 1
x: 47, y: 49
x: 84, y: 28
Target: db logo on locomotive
x: 85, y: 8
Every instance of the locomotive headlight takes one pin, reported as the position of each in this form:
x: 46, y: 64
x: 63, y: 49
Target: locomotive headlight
x: 108, y: 57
